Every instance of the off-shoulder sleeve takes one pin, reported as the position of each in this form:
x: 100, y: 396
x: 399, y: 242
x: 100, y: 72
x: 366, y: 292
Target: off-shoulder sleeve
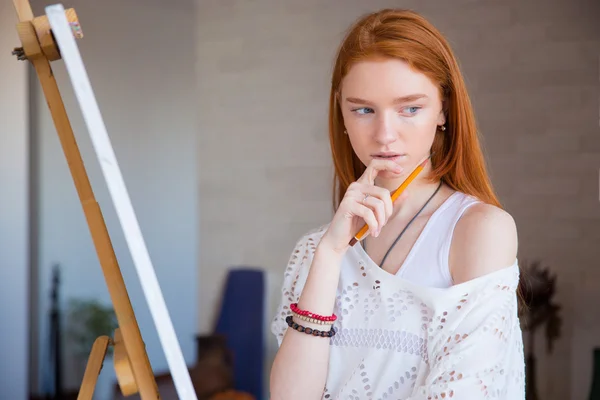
x: 294, y: 279
x: 475, y: 347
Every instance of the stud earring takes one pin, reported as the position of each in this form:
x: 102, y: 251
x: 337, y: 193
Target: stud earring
x: 443, y: 128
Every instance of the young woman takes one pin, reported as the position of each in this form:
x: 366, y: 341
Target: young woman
x: 425, y: 306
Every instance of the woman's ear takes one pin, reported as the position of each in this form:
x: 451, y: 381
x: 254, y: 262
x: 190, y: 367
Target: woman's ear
x: 441, y: 118
x: 443, y: 111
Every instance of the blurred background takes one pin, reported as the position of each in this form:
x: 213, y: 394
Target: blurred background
x: 217, y: 112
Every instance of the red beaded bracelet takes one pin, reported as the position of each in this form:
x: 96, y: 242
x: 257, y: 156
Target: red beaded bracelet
x: 330, y: 318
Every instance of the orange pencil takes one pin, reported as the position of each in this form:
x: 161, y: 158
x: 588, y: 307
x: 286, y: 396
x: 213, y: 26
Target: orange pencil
x: 359, y: 236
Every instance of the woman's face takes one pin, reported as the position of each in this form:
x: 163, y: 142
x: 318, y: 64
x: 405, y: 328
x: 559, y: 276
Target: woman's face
x: 390, y: 111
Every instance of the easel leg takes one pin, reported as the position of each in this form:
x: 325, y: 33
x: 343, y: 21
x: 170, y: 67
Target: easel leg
x: 93, y: 368
x: 129, y: 328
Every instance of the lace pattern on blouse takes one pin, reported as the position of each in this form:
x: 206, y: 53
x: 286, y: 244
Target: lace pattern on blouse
x: 397, y: 340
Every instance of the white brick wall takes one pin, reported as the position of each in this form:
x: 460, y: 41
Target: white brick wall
x: 265, y: 174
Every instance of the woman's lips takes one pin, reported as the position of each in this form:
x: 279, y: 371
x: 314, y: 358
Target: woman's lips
x: 388, y: 156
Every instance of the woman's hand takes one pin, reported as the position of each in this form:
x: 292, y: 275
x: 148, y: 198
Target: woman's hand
x: 362, y: 202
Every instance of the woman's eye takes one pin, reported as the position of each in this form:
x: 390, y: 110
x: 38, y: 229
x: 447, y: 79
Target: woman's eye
x: 363, y: 110
x: 411, y: 110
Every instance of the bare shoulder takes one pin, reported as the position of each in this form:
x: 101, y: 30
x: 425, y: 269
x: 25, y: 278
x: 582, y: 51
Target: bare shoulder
x: 485, y: 240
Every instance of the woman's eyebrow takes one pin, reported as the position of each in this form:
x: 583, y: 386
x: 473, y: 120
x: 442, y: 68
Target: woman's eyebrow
x: 402, y: 99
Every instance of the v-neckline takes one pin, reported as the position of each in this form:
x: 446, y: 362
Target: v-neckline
x: 365, y: 256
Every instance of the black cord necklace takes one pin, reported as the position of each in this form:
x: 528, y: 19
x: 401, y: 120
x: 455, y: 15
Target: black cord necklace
x: 364, y: 243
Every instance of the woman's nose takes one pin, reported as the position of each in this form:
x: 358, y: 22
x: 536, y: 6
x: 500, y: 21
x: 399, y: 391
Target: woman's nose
x: 385, y: 132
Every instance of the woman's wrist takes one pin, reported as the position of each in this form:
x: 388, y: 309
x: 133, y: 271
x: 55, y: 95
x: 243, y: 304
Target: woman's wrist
x: 318, y: 294
x: 329, y: 250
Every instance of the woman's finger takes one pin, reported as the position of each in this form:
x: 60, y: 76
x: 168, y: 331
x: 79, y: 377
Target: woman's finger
x: 360, y: 210
x: 380, y: 193
x: 377, y: 166
x: 378, y: 208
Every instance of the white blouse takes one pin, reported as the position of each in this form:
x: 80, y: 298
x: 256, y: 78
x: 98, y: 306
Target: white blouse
x: 400, y: 340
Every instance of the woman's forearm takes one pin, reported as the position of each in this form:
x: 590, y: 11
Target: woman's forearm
x: 300, y: 367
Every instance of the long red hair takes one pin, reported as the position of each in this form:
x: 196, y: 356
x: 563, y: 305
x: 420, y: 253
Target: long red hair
x: 458, y: 160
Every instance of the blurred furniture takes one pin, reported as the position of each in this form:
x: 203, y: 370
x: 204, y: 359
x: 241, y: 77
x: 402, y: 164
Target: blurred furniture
x: 230, y: 360
x: 241, y: 323
x: 595, y: 386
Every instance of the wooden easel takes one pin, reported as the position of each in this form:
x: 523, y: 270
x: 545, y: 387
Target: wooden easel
x: 132, y: 366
